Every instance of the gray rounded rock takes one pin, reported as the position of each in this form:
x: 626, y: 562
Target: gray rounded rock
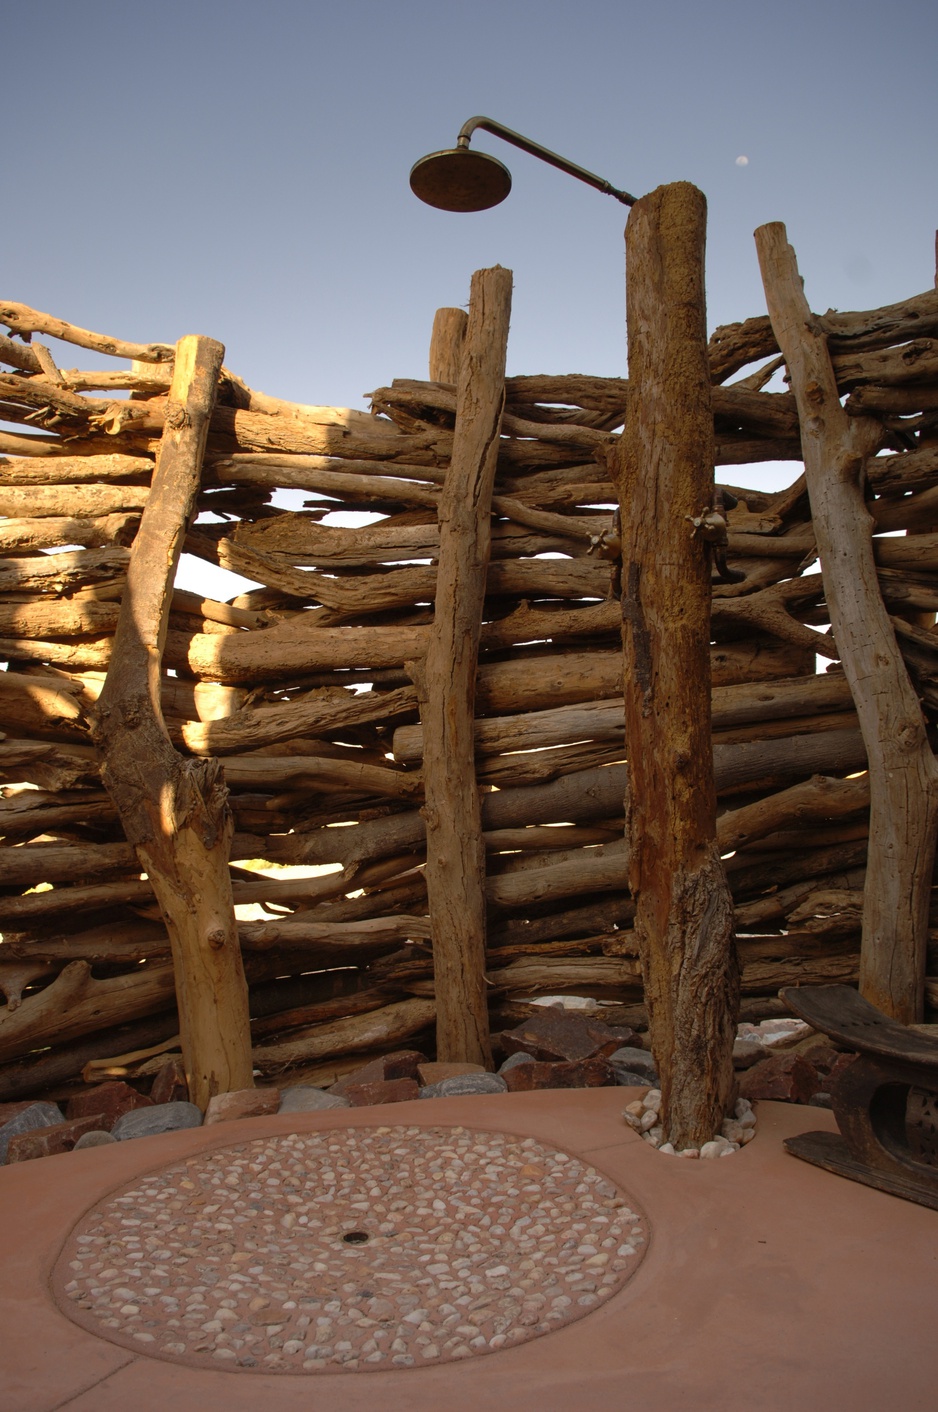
x: 630, y: 1061
x: 625, y: 1078
x: 304, y: 1098
x: 514, y: 1060
x: 160, y: 1118
x: 37, y: 1115
x: 98, y: 1137
x: 465, y: 1085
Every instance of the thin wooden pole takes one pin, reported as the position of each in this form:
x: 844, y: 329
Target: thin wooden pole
x: 684, y: 910
x: 903, y: 771
x: 175, y: 811
x: 446, y: 682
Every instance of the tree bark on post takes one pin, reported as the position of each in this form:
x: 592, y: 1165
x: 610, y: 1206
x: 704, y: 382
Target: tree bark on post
x: 175, y: 811
x: 445, y: 680
x: 446, y: 344
x: 903, y: 771
x: 684, y: 910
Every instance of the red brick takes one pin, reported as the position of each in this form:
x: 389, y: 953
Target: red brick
x: 363, y: 1095
x: 822, y: 1055
x: 436, y: 1073
x: 565, y: 1035
x: 242, y: 1103
x: 46, y: 1142
x: 787, y: 1078
x: 109, y: 1100
x: 170, y: 1085
x: 843, y: 1062
x: 584, y: 1073
x: 402, y: 1064
x: 13, y: 1110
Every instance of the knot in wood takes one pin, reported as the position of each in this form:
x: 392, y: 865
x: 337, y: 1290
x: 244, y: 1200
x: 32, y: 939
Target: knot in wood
x: 216, y: 939
x: 913, y: 351
x: 176, y: 416
x: 814, y: 392
x: 114, y: 417
x: 131, y: 715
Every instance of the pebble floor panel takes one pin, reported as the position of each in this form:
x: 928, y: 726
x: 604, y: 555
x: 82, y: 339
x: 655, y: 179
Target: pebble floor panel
x: 351, y: 1250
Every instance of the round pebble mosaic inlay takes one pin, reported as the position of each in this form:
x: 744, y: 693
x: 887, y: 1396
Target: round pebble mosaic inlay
x: 351, y: 1249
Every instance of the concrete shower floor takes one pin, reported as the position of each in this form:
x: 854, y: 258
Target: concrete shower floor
x: 767, y: 1284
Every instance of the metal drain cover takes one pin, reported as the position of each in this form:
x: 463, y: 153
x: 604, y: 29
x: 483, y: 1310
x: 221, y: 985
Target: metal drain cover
x: 350, y: 1249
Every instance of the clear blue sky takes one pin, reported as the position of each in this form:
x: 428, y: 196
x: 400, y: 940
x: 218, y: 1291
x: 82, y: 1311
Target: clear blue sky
x: 240, y: 169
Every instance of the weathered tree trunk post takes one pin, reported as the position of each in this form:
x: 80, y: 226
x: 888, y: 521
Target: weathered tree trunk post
x: 175, y: 811
x: 446, y: 344
x: 684, y: 911
x: 446, y: 682
x: 903, y: 771
x: 926, y: 439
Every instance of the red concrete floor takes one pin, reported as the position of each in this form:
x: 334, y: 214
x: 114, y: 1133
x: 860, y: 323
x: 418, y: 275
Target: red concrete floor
x: 769, y: 1285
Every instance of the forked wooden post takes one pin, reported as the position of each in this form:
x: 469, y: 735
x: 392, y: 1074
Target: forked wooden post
x: 902, y: 768
x: 446, y: 682
x: 174, y: 810
x: 684, y: 910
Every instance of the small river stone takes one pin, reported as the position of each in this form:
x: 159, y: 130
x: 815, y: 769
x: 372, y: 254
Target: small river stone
x: 715, y: 1148
x: 161, y: 1118
x: 514, y: 1059
x: 345, y: 1250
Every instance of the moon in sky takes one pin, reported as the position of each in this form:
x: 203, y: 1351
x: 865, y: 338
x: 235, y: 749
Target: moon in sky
x: 742, y: 161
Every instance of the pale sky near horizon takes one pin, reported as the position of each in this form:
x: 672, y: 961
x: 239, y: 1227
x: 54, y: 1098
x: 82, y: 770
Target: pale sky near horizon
x: 240, y: 169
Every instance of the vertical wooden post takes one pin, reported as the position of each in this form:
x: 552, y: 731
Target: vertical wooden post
x: 684, y: 911
x: 902, y: 767
x: 174, y: 810
x: 446, y: 344
x: 446, y: 682
x: 922, y: 618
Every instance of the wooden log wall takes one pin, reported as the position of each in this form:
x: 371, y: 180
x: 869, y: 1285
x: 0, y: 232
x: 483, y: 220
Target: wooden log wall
x: 303, y: 688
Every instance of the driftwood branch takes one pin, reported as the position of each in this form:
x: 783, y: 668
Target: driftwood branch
x: 175, y: 812
x: 903, y: 772
x: 19, y: 318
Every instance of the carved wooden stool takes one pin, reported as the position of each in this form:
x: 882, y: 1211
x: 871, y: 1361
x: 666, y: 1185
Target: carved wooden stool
x: 885, y: 1103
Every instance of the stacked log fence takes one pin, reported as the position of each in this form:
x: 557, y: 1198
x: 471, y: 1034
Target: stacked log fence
x: 307, y: 698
